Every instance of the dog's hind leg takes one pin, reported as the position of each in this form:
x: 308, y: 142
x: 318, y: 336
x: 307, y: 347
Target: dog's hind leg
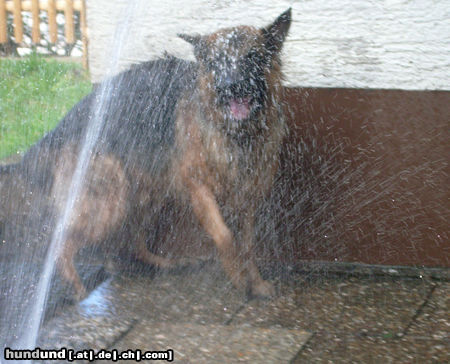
x: 66, y: 266
x: 100, y: 207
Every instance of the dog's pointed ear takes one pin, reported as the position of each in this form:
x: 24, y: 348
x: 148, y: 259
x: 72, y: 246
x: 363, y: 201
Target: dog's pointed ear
x: 275, y: 33
x: 195, y: 40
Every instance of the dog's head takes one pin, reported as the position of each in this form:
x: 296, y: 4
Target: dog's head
x: 236, y: 66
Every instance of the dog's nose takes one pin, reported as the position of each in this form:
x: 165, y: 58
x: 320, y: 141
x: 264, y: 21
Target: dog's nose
x: 229, y: 80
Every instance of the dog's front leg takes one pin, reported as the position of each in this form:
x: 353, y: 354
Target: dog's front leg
x: 258, y: 286
x: 207, y: 211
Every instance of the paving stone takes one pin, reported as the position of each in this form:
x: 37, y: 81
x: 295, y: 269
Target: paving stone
x: 346, y: 348
x: 360, y: 306
x: 202, y: 297
x: 204, y: 320
x: 381, y: 308
x: 297, y: 306
x: 117, y: 304
x: 433, y: 323
x: 94, y: 323
x: 194, y: 343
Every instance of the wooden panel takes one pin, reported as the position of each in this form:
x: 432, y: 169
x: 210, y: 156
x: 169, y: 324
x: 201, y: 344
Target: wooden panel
x: 84, y: 39
x: 52, y: 26
x: 69, y: 23
x: 60, y: 5
x: 3, y: 22
x: 35, y: 31
x: 364, y: 178
x: 18, y: 25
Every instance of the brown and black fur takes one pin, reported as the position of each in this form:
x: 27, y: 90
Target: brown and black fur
x: 170, y: 135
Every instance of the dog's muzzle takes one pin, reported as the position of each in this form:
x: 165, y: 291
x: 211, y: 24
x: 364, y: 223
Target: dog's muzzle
x: 236, y: 94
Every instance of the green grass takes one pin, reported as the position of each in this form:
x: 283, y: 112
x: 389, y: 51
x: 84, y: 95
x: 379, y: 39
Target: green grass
x: 34, y: 94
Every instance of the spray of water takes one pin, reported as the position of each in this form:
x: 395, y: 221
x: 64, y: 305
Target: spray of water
x: 121, y: 37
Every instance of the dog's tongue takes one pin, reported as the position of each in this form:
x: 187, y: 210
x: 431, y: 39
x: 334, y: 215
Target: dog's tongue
x: 240, y: 108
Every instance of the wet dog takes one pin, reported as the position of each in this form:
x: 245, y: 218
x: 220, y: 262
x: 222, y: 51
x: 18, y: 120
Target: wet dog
x: 203, y: 134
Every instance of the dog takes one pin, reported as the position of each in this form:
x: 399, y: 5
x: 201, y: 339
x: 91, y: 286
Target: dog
x: 204, y: 136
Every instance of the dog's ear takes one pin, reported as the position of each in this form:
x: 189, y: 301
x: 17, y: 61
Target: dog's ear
x: 197, y: 41
x: 275, y: 33
x: 193, y: 39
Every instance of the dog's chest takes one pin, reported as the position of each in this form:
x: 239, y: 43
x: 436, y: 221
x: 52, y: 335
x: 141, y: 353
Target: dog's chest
x: 231, y: 168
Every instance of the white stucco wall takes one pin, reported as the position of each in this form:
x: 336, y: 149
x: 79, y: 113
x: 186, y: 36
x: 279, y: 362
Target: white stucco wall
x: 346, y: 43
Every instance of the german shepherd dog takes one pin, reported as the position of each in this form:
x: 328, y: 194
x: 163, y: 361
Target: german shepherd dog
x: 205, y: 134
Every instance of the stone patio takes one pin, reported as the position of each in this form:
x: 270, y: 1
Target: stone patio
x: 318, y: 316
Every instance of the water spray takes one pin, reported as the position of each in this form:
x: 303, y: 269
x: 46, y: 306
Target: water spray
x: 96, y: 121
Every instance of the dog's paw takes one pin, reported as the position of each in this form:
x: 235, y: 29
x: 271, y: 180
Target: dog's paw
x: 262, y: 289
x: 77, y: 294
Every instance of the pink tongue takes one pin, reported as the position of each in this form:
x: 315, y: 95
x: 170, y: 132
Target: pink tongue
x: 240, y: 108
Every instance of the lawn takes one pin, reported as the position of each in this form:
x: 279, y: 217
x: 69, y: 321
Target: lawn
x: 35, y: 93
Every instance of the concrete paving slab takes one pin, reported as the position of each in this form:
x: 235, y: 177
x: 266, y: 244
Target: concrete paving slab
x: 380, y: 308
x: 353, y: 319
x: 194, y: 343
x: 119, y: 303
x: 204, y: 320
x: 95, y: 323
x: 345, y: 348
x: 367, y: 306
x: 204, y: 296
x: 433, y: 323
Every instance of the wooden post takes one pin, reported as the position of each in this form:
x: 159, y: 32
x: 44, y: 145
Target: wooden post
x: 3, y: 22
x: 52, y: 7
x: 18, y: 25
x: 52, y: 27
x: 35, y: 31
x: 84, y: 38
x: 69, y: 26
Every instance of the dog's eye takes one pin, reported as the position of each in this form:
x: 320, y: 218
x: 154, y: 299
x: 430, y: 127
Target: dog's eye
x: 255, y: 59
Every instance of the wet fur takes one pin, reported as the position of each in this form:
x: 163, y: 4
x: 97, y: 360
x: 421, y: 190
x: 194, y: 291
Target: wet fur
x: 179, y: 140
